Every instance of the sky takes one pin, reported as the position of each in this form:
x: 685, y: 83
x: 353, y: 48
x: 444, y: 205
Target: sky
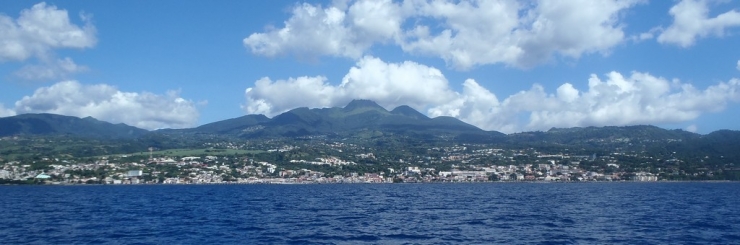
x: 509, y: 66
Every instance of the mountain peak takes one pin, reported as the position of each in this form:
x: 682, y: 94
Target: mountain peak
x: 405, y: 110
x: 91, y: 119
x: 357, y: 104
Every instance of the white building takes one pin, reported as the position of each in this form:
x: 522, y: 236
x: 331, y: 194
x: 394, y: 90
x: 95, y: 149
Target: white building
x: 643, y: 176
x: 4, y: 174
x: 134, y: 173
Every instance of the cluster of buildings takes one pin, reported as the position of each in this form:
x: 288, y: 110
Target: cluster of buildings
x: 332, y: 161
x: 464, y: 163
x: 72, y: 173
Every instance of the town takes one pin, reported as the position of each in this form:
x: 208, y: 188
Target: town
x: 326, y: 161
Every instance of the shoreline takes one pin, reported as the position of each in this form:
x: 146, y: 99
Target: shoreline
x: 386, y: 183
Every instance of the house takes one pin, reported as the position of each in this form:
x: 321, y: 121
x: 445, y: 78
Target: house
x: 43, y: 176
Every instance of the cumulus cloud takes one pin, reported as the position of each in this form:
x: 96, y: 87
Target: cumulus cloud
x: 489, y: 32
x: 4, y: 112
x: 463, y: 33
x: 616, y: 99
x: 51, y: 70
x: 691, y: 21
x: 272, y: 97
x: 638, y: 99
x: 738, y: 65
x: 40, y: 29
x: 104, y: 102
x: 36, y: 33
x: 388, y: 84
x: 337, y: 30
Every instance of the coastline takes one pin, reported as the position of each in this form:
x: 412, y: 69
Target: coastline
x: 369, y: 183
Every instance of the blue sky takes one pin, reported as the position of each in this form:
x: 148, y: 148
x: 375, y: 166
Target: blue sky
x: 509, y: 66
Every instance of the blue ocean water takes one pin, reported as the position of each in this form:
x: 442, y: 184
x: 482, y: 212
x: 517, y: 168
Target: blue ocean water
x: 519, y: 213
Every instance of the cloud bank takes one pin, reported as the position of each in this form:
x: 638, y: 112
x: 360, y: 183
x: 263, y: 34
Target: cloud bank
x: 144, y: 110
x: 463, y: 33
x: 614, y: 99
x: 406, y: 83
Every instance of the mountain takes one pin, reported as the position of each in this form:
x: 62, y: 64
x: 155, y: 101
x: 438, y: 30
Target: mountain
x: 724, y: 143
x: 233, y: 124
x: 609, y: 133
x: 365, y: 119
x: 362, y: 105
x: 366, y: 122
x: 357, y: 116
x: 51, y: 124
x: 405, y: 110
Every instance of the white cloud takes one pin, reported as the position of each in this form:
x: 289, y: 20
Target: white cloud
x: 463, y: 33
x: 390, y: 85
x: 738, y: 65
x: 4, y: 112
x: 312, y: 30
x: 36, y: 33
x: 104, y: 102
x: 691, y: 21
x: 692, y: 128
x: 272, y: 97
x: 472, y: 33
x: 647, y: 35
x: 52, y: 70
x: 639, y: 98
x: 489, y: 32
x: 40, y: 29
x: 478, y: 106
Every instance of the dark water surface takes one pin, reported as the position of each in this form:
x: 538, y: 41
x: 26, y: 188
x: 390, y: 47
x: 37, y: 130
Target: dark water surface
x: 530, y: 213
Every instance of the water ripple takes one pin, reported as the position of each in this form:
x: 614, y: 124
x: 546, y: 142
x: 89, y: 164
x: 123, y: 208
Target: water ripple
x: 588, y: 213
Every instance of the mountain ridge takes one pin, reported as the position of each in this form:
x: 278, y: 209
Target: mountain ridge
x: 53, y: 124
x: 357, y: 115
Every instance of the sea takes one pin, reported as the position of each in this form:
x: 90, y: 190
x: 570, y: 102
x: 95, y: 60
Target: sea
x: 476, y: 213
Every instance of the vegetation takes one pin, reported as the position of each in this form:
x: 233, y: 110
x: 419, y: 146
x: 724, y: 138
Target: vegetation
x: 397, y: 139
